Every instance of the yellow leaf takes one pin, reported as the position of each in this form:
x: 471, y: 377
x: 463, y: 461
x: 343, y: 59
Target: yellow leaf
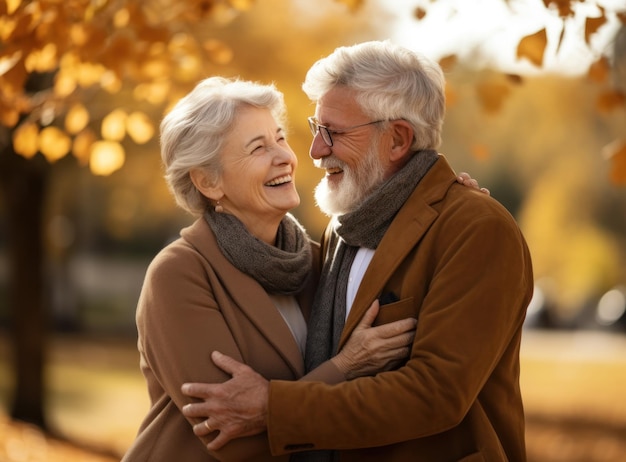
x: 532, y: 47
x: 610, y: 100
x: 106, y: 157
x: 616, y: 154
x: 492, y: 95
x: 7, y: 26
x: 81, y: 148
x: 480, y: 151
x: 242, y: 5
x: 89, y: 74
x: 8, y: 61
x: 114, y: 125
x: 76, y: 118
x: 43, y: 60
x: 139, y: 127
x: 448, y: 62
x: 593, y: 24
x: 9, y: 116
x: 154, y: 92
x: 26, y: 139
x: 599, y: 70
x: 352, y: 4
x: 218, y: 51
x: 564, y: 7
x: 110, y: 82
x: 13, y: 5
x: 64, y: 83
x: 54, y: 143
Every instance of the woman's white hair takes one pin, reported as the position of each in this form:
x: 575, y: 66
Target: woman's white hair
x: 390, y: 81
x: 193, y: 132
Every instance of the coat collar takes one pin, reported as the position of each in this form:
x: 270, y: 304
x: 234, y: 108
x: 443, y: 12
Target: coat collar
x: 405, y: 231
x: 247, y: 295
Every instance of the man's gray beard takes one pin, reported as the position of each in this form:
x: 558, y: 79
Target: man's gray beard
x: 354, y: 188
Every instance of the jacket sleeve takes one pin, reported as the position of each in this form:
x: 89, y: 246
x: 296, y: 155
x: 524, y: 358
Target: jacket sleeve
x: 471, y: 315
x: 179, y: 325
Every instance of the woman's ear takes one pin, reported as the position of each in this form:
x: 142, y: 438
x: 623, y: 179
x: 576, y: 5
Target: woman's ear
x: 402, y: 139
x: 204, y: 183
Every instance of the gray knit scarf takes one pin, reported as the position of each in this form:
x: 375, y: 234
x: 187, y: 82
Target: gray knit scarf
x: 280, y: 269
x: 363, y: 227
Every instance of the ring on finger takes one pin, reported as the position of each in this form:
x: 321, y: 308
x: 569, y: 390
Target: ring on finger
x: 208, y: 427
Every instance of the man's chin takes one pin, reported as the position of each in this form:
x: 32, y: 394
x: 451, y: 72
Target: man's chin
x: 329, y: 199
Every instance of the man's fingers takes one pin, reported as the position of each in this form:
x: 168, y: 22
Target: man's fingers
x: 196, y: 409
x: 220, y: 440
x: 197, y: 390
x: 228, y: 364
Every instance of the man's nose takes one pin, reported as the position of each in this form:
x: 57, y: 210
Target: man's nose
x: 318, y: 148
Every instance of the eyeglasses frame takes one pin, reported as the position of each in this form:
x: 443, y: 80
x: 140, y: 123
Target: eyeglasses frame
x: 327, y: 133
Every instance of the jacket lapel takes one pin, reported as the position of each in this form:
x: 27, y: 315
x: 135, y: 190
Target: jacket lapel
x: 248, y: 296
x: 405, y: 231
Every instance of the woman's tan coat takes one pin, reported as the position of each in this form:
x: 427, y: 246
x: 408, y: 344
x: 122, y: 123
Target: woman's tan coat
x: 193, y: 302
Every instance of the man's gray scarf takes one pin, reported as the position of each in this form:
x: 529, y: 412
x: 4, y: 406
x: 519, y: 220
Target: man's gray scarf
x: 280, y: 269
x: 363, y: 227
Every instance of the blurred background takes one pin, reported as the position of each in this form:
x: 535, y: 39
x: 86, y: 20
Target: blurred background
x: 536, y: 112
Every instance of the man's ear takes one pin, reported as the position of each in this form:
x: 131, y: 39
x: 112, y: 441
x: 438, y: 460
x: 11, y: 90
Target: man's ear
x: 204, y: 183
x: 402, y: 139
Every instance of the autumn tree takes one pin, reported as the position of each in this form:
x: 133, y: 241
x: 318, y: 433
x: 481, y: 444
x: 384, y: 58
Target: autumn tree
x: 55, y: 57
x: 59, y: 62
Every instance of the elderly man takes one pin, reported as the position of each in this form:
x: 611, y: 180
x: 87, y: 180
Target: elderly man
x: 404, y: 232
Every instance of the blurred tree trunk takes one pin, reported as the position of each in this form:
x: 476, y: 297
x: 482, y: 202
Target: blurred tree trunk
x: 23, y: 184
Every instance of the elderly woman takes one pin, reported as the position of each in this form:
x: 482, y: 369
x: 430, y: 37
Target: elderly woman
x: 241, y: 278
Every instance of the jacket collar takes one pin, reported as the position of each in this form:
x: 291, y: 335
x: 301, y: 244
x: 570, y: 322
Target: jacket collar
x: 405, y: 231
x: 247, y: 295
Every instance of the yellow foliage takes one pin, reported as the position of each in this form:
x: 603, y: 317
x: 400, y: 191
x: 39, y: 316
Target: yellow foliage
x: 81, y: 148
x: 54, y: 143
x: 218, y: 51
x: 533, y: 47
x: 139, y: 127
x: 64, y: 83
x: 7, y: 26
x: 615, y: 153
x: 599, y: 70
x: 593, y: 24
x: 154, y: 92
x: 492, y: 95
x: 106, y: 157
x: 9, y: 117
x: 43, y: 60
x: 114, y: 125
x: 352, y: 4
x: 76, y: 119
x: 26, y: 139
x: 13, y: 5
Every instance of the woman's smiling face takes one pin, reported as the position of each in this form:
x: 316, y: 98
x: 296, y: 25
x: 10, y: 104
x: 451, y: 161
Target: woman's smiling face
x: 257, y: 184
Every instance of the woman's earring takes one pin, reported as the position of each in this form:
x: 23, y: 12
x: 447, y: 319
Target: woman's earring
x: 218, y: 207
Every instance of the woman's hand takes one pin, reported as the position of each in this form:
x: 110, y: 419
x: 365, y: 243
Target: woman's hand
x: 466, y: 180
x: 370, y: 350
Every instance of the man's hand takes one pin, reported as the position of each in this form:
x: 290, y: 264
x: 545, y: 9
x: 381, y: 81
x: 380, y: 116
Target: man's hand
x: 235, y: 408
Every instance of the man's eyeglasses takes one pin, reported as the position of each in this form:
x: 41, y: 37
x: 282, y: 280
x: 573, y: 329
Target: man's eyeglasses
x: 327, y: 132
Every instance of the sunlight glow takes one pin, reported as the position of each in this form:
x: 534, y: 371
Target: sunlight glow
x: 490, y: 30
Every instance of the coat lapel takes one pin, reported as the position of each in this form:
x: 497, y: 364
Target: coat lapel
x: 248, y: 296
x: 405, y: 231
